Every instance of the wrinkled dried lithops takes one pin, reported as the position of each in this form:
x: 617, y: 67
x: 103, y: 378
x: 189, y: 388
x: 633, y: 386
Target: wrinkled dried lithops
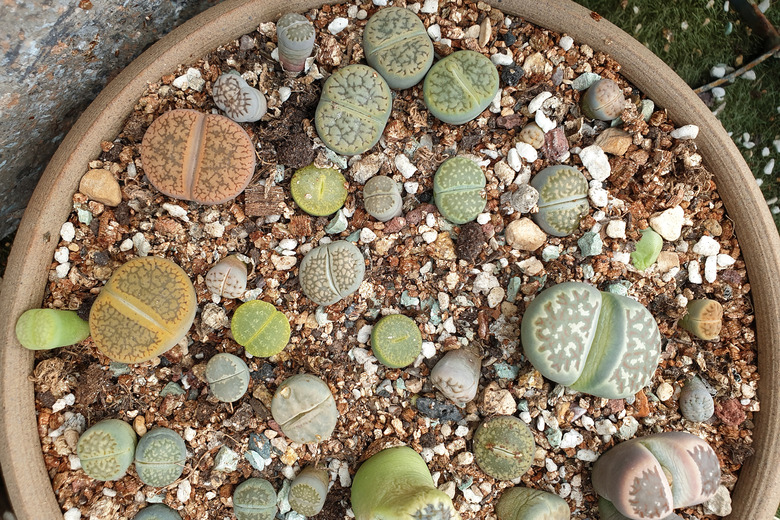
x: 504, y: 447
x: 308, y: 490
x: 296, y: 41
x: 696, y: 403
x: 107, y: 449
x: 228, y: 377
x: 704, y: 319
x: 331, y: 272
x: 261, y: 329
x: 456, y: 375
x: 305, y: 409
x: 160, y: 457
x: 603, y: 100
x: 563, y: 199
x: 521, y: 503
x: 227, y: 278
x: 44, y: 329
x: 459, y: 190
x: 254, y: 499
x: 381, y: 198
x: 233, y: 95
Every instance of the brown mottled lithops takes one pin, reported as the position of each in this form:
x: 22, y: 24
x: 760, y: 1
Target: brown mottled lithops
x: 704, y: 319
x: 381, y: 198
x: 233, y: 95
x: 603, y: 100
x: 533, y: 135
x: 227, y: 278
x: 331, y: 272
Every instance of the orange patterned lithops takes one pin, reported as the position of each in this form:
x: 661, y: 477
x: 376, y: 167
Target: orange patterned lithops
x: 206, y: 158
x: 145, y: 308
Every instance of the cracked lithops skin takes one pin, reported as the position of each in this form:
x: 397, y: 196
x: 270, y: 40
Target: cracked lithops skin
x: 649, y: 476
x: 381, y: 198
x: 157, y: 512
x: 607, y: 511
x: 459, y: 87
x: 159, y: 457
x: 254, y: 499
x: 647, y: 249
x: 459, y: 190
x: 305, y: 409
x: 696, y: 403
x: 331, y: 272
x: 353, y: 109
x: 395, y: 484
x: 396, y: 341
x: 296, y: 41
x: 596, y: 342
x: 205, y: 158
x: 107, y: 449
x: 456, y: 375
x: 520, y: 503
x: 227, y: 278
x: 308, y: 491
x: 318, y: 191
x: 603, y: 100
x: 241, y: 102
x: 145, y: 308
x: 44, y: 329
x: 261, y: 329
x: 504, y: 447
x: 704, y: 319
x: 228, y: 377
x: 397, y: 45
x: 563, y: 199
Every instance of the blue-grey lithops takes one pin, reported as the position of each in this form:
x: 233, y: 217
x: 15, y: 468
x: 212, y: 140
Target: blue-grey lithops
x: 381, y: 198
x: 458, y: 190
x: 563, y: 199
x: 331, y: 272
x: 296, y: 41
x: 228, y: 377
x: 157, y: 512
x: 696, y: 403
x: 107, y: 449
x: 160, y: 457
x: 521, y: 503
x: 309, y: 490
x: 304, y: 408
x: 233, y: 95
x: 254, y: 499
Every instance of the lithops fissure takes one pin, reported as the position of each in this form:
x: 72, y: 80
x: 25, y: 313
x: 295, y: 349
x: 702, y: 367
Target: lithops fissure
x: 308, y: 490
x: 607, y: 511
x: 563, y: 199
x: 318, y: 191
x: 381, y: 198
x: 160, y: 457
x: 107, y: 449
x: 228, y: 377
x: 331, y: 272
x: 261, y: 329
x: 696, y: 403
x: 305, y: 409
x: 459, y: 190
x: 296, y: 41
x: 227, y: 278
x: 157, y: 512
x: 603, y: 100
x: 254, y: 499
x: 456, y: 375
x: 44, y: 329
x: 241, y: 102
x: 504, y: 447
x: 704, y: 318
x: 396, y: 341
x: 521, y: 503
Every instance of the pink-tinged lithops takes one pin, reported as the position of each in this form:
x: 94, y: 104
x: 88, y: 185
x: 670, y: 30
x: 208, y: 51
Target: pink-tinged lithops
x: 304, y: 408
x: 331, y: 272
x: 521, y: 503
x: 456, y: 375
x: 648, y: 477
x: 603, y: 100
x: 227, y: 278
x: 381, y: 198
x: 296, y: 41
x: 233, y: 95
x: 107, y: 449
x: 563, y: 199
x: 696, y: 403
x: 704, y: 319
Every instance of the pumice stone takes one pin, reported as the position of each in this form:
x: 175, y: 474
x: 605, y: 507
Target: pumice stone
x: 331, y: 272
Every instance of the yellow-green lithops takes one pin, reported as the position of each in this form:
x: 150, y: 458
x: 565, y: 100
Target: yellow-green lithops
x: 396, y: 341
x: 563, y: 199
x: 521, y: 503
x: 44, y: 329
x: 459, y: 190
x: 254, y: 499
x: 228, y: 377
x: 160, y: 457
x: 107, y: 449
x: 261, y: 329
x: 318, y: 191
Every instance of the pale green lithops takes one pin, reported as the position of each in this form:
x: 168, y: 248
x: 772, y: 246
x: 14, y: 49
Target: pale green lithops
x: 233, y: 95
x: 603, y: 100
x: 353, y: 109
x: 563, y: 199
x: 107, y: 449
x: 521, y: 503
x: 504, y: 447
x: 296, y: 41
x: 648, y: 477
x: 261, y: 329
x: 157, y: 512
x: 595, y: 342
x: 228, y: 377
x: 647, y: 249
x: 395, y: 484
x: 456, y: 375
x: 331, y: 272
x: 396, y: 341
x: 607, y: 511
x: 227, y: 278
x: 309, y: 490
x: 305, y: 409
x: 459, y: 87
x: 44, y: 329
x: 704, y: 318
x: 254, y: 499
x: 160, y: 457
x: 397, y: 45
x: 459, y: 190
x: 695, y: 401
x: 318, y: 191
x: 381, y: 197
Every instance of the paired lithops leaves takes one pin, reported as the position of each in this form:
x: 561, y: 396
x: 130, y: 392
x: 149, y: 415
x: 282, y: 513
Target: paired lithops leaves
x: 532, y: 134
x: 296, y: 41
x: 456, y: 375
x: 458, y: 190
x: 563, y: 199
x: 227, y: 278
x: 520, y: 503
x: 305, y: 409
x: 396, y: 341
x: 254, y: 499
x: 107, y: 449
x: 381, y: 198
x: 44, y: 329
x: 704, y: 319
x: 242, y: 103
x: 157, y: 512
x: 318, y: 191
x: 309, y: 490
x: 261, y: 329
x: 603, y: 100
x: 331, y: 272
x: 504, y: 447
x: 228, y: 377
x: 160, y: 457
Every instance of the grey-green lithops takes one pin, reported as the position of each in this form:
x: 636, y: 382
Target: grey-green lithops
x: 318, y: 191
x: 309, y: 490
x: 304, y: 408
x: 261, y: 329
x: 44, y: 329
x: 331, y: 272
x: 695, y: 401
x: 504, y: 447
x: 241, y: 102
x: 353, y: 109
x: 603, y: 100
x: 563, y: 199
x: 459, y: 190
x: 296, y: 41
x: 397, y: 45
x: 396, y: 341
x: 459, y: 87
x: 254, y: 499
x: 381, y: 198
x: 704, y: 318
x: 521, y: 503
x: 107, y: 449
x: 160, y: 457
x: 228, y: 377
x: 157, y: 512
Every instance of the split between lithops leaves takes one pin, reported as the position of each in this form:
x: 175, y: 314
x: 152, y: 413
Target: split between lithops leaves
x: 456, y: 375
x: 521, y: 503
x: 305, y: 409
x: 44, y: 329
x: 254, y: 499
x: 159, y: 457
x: 504, y: 447
x: 227, y: 278
x: 295, y: 35
x: 241, y: 102
x: 107, y: 449
x: 228, y: 377
x: 563, y: 199
x: 704, y: 318
x: 381, y: 198
x: 261, y: 329
x: 308, y: 490
x: 331, y: 272
x: 318, y: 191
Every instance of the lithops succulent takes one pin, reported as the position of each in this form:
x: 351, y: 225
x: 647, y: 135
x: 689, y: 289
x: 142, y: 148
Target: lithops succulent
x: 596, y: 342
x: 145, y: 308
x: 241, y: 102
x: 353, y: 109
x: 603, y: 100
x: 228, y: 377
x: 704, y: 319
x: 381, y: 198
x: 261, y: 329
x: 533, y: 135
x: 696, y: 403
x: 254, y: 499
x: 397, y: 45
x: 563, y: 199
x: 205, y: 158
x: 607, y: 511
x: 504, y: 447
x: 304, y: 408
x: 296, y: 41
x: 227, y: 278
x: 647, y: 249
x: 459, y: 190
x: 106, y: 449
x: 157, y: 512
x: 459, y: 87
x: 395, y: 484
x: 318, y: 191
x: 160, y: 457
x: 331, y: 272
x: 396, y: 341
x: 44, y: 329
x: 649, y: 476
x: 456, y: 375
x: 309, y: 490
x: 521, y: 503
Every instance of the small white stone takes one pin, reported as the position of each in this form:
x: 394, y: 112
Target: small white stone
x: 367, y: 236
x: 338, y: 25
x: 504, y: 172
x: 352, y: 11
x: 194, y: 80
x: 710, y: 268
x: 429, y: 236
x: 284, y: 262
x: 495, y: 103
x: 720, y: 503
x: 180, y: 82
x: 495, y: 297
x: 616, y: 229
x: 587, y: 455
x: 605, y: 427
x: 694, y: 274
x: 214, y: 229
x: 664, y: 391
x: 411, y: 187
x: 483, y: 218
x: 599, y: 197
x: 62, y: 270
x: 68, y: 232
x: 566, y: 42
x: 596, y: 162
x: 434, y: 31
x: 189, y: 434
x: 430, y: 6
x: 513, y: 159
x: 685, y: 132
x: 183, y: 491
x: 404, y: 165
x: 126, y: 245
x: 288, y: 243
x: 74, y: 513
x: 484, y: 282
x: 63, y: 402
x: 428, y: 349
x: 624, y: 258
x: 769, y: 167
x: 415, y: 7
x: 285, y: 92
x: 706, y: 246
x: 75, y: 461
x: 718, y: 93
x: 472, y: 495
x: 501, y: 59
x: 526, y: 151
x: 61, y: 255
x: 571, y: 439
x: 446, y: 41
x: 380, y: 3
x: 430, y: 220
x: 176, y: 211
x: 669, y: 223
x: 544, y: 122
x: 550, y: 465
x: 536, y: 103
x: 362, y: 14
x: 344, y: 479
x: 717, y: 71
x: 749, y: 75
x: 725, y: 260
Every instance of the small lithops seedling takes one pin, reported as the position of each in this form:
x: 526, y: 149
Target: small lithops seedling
x: 318, y: 191
x: 696, y: 403
x: 647, y: 249
x: 397, y: 45
x: 44, y: 329
x: 603, y: 100
x: 206, y: 158
x: 459, y: 190
x: 533, y: 135
x: 305, y: 409
x: 233, y: 95
x: 261, y: 329
x: 395, y: 484
x: 160, y: 457
x: 607, y: 511
x: 254, y: 499
x: 227, y: 278
x: 459, y: 87
x: 228, y: 377
x: 504, y: 447
x: 596, y: 342
x: 704, y: 319
x: 309, y: 490
x: 331, y: 272
x: 145, y: 308
x: 157, y: 512
x: 649, y: 476
x: 396, y: 341
x: 107, y: 449
x: 521, y: 503
x: 296, y: 41
x: 353, y: 109
x: 381, y: 198
x: 456, y: 375
x: 563, y: 199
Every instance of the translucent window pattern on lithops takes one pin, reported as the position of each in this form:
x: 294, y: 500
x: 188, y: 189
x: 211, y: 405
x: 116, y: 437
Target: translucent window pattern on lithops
x: 397, y: 45
x: 353, y: 109
x: 254, y: 499
x: 318, y: 191
x: 261, y: 329
x: 331, y: 272
x: 504, y: 447
x: 157, y: 512
x: 563, y: 199
x: 305, y: 409
x: 241, y: 102
x: 309, y: 490
x: 160, y: 457
x: 521, y: 503
x: 458, y: 190
x: 704, y: 318
x: 396, y: 341
x: 227, y: 278
x: 228, y: 377
x: 296, y: 40
x: 381, y: 198
x: 107, y: 449
x: 145, y: 308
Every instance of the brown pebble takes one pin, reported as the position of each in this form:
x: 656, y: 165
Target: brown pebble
x: 101, y: 186
x: 641, y: 405
x: 524, y: 235
x: 730, y: 412
x: 614, y: 141
x: 139, y: 425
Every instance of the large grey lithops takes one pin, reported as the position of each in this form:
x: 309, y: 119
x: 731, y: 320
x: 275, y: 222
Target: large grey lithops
x: 296, y: 41
x: 160, y: 457
x: 228, y: 377
x: 397, y: 45
x: 227, y: 278
x: 331, y: 272
x: 254, y: 499
x: 456, y: 375
x: 648, y: 477
x: 696, y: 403
x: 563, y: 199
x: 241, y: 102
x: 521, y: 503
x: 107, y: 449
x: 157, y: 512
x: 353, y: 109
x: 504, y: 447
x: 459, y: 190
x: 381, y: 198
x: 304, y: 408
x: 308, y: 490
